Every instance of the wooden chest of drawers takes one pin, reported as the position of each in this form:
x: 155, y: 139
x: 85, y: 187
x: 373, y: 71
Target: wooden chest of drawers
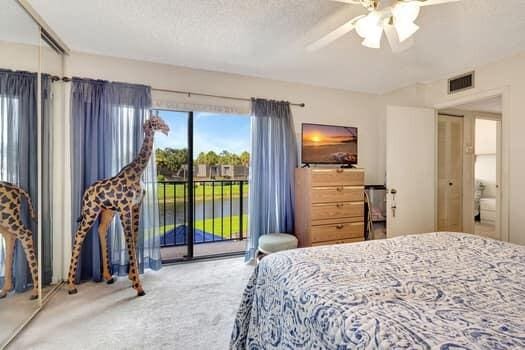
x: 329, y: 206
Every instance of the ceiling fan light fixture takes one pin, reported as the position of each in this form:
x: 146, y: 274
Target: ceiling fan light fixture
x: 372, y: 42
x: 405, y: 30
x: 405, y: 11
x: 404, y: 14
x: 373, y: 39
x: 368, y: 25
x: 370, y: 28
x: 395, y: 17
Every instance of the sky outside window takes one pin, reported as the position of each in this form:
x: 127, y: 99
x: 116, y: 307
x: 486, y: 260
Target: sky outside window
x: 212, y: 132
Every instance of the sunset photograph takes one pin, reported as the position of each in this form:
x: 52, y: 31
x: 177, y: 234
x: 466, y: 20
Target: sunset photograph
x: 329, y: 144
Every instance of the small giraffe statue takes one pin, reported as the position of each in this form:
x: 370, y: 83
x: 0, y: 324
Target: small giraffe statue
x: 12, y: 228
x: 122, y: 194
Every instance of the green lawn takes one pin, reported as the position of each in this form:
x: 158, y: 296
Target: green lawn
x: 208, y: 225
x: 173, y: 192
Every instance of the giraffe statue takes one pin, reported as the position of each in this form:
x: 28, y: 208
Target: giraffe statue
x: 122, y: 194
x: 12, y: 228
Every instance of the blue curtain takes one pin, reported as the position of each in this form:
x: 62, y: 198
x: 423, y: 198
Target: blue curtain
x: 106, y: 134
x: 272, y: 165
x: 18, y: 155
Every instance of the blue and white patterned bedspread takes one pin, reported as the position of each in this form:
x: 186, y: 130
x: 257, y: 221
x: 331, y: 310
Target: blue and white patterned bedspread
x: 429, y: 291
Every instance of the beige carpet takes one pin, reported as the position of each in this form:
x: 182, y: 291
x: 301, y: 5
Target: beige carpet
x: 187, y: 306
x: 15, y: 309
x: 486, y: 230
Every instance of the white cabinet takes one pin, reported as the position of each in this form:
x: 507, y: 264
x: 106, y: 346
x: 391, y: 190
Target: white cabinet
x: 487, y: 210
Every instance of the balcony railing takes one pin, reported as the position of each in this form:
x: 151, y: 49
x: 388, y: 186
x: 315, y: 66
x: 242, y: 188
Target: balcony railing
x: 220, y: 209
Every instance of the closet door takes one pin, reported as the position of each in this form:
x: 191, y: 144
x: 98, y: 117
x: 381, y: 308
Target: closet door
x: 19, y: 191
x: 54, y: 160
x: 450, y: 173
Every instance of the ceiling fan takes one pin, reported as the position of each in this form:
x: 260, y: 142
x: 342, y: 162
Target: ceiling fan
x: 395, y: 17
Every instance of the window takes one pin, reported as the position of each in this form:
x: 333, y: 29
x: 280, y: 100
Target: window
x: 219, y: 147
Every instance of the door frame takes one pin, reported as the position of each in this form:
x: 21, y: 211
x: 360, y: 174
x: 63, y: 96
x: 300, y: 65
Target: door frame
x: 504, y: 92
x: 189, y: 219
x: 190, y: 209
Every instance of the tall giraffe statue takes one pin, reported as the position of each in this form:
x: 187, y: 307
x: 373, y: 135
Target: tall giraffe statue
x: 122, y: 194
x: 13, y: 228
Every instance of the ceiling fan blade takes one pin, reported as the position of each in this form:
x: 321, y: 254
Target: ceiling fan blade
x: 393, y: 39
x: 422, y: 3
x: 334, y: 35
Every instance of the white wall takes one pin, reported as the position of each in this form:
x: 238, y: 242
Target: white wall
x: 18, y: 56
x: 26, y: 57
x: 368, y: 112
x: 347, y: 108
x: 331, y: 106
x: 323, y: 105
x: 328, y: 106
x: 507, y: 76
x: 486, y: 136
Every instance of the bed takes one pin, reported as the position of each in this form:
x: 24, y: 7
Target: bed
x: 428, y: 291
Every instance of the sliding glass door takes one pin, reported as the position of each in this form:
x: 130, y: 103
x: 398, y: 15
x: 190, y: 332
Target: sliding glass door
x: 203, y: 198
x: 172, y: 158
x: 221, y: 163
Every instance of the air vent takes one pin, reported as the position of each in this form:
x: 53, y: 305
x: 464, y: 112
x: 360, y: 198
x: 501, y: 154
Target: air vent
x: 460, y: 83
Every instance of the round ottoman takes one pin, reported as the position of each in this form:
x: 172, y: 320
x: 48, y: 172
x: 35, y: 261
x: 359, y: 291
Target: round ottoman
x: 276, y: 242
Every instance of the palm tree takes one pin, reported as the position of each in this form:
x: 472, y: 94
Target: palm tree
x: 245, y: 158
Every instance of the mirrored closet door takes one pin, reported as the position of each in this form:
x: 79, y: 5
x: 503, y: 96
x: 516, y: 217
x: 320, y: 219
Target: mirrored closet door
x: 52, y: 99
x: 19, y: 187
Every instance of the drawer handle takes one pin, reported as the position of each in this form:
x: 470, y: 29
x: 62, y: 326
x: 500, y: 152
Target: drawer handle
x: 339, y: 205
x: 339, y: 226
x: 339, y: 170
x: 339, y: 189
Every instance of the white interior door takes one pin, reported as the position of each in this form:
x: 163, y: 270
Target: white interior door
x: 411, y: 170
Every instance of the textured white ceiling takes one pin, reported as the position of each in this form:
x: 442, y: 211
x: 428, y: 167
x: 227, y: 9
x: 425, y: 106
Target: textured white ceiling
x: 267, y: 38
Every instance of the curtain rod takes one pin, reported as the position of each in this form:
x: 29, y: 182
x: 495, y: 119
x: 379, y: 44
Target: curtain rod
x: 188, y: 93
x: 57, y: 78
